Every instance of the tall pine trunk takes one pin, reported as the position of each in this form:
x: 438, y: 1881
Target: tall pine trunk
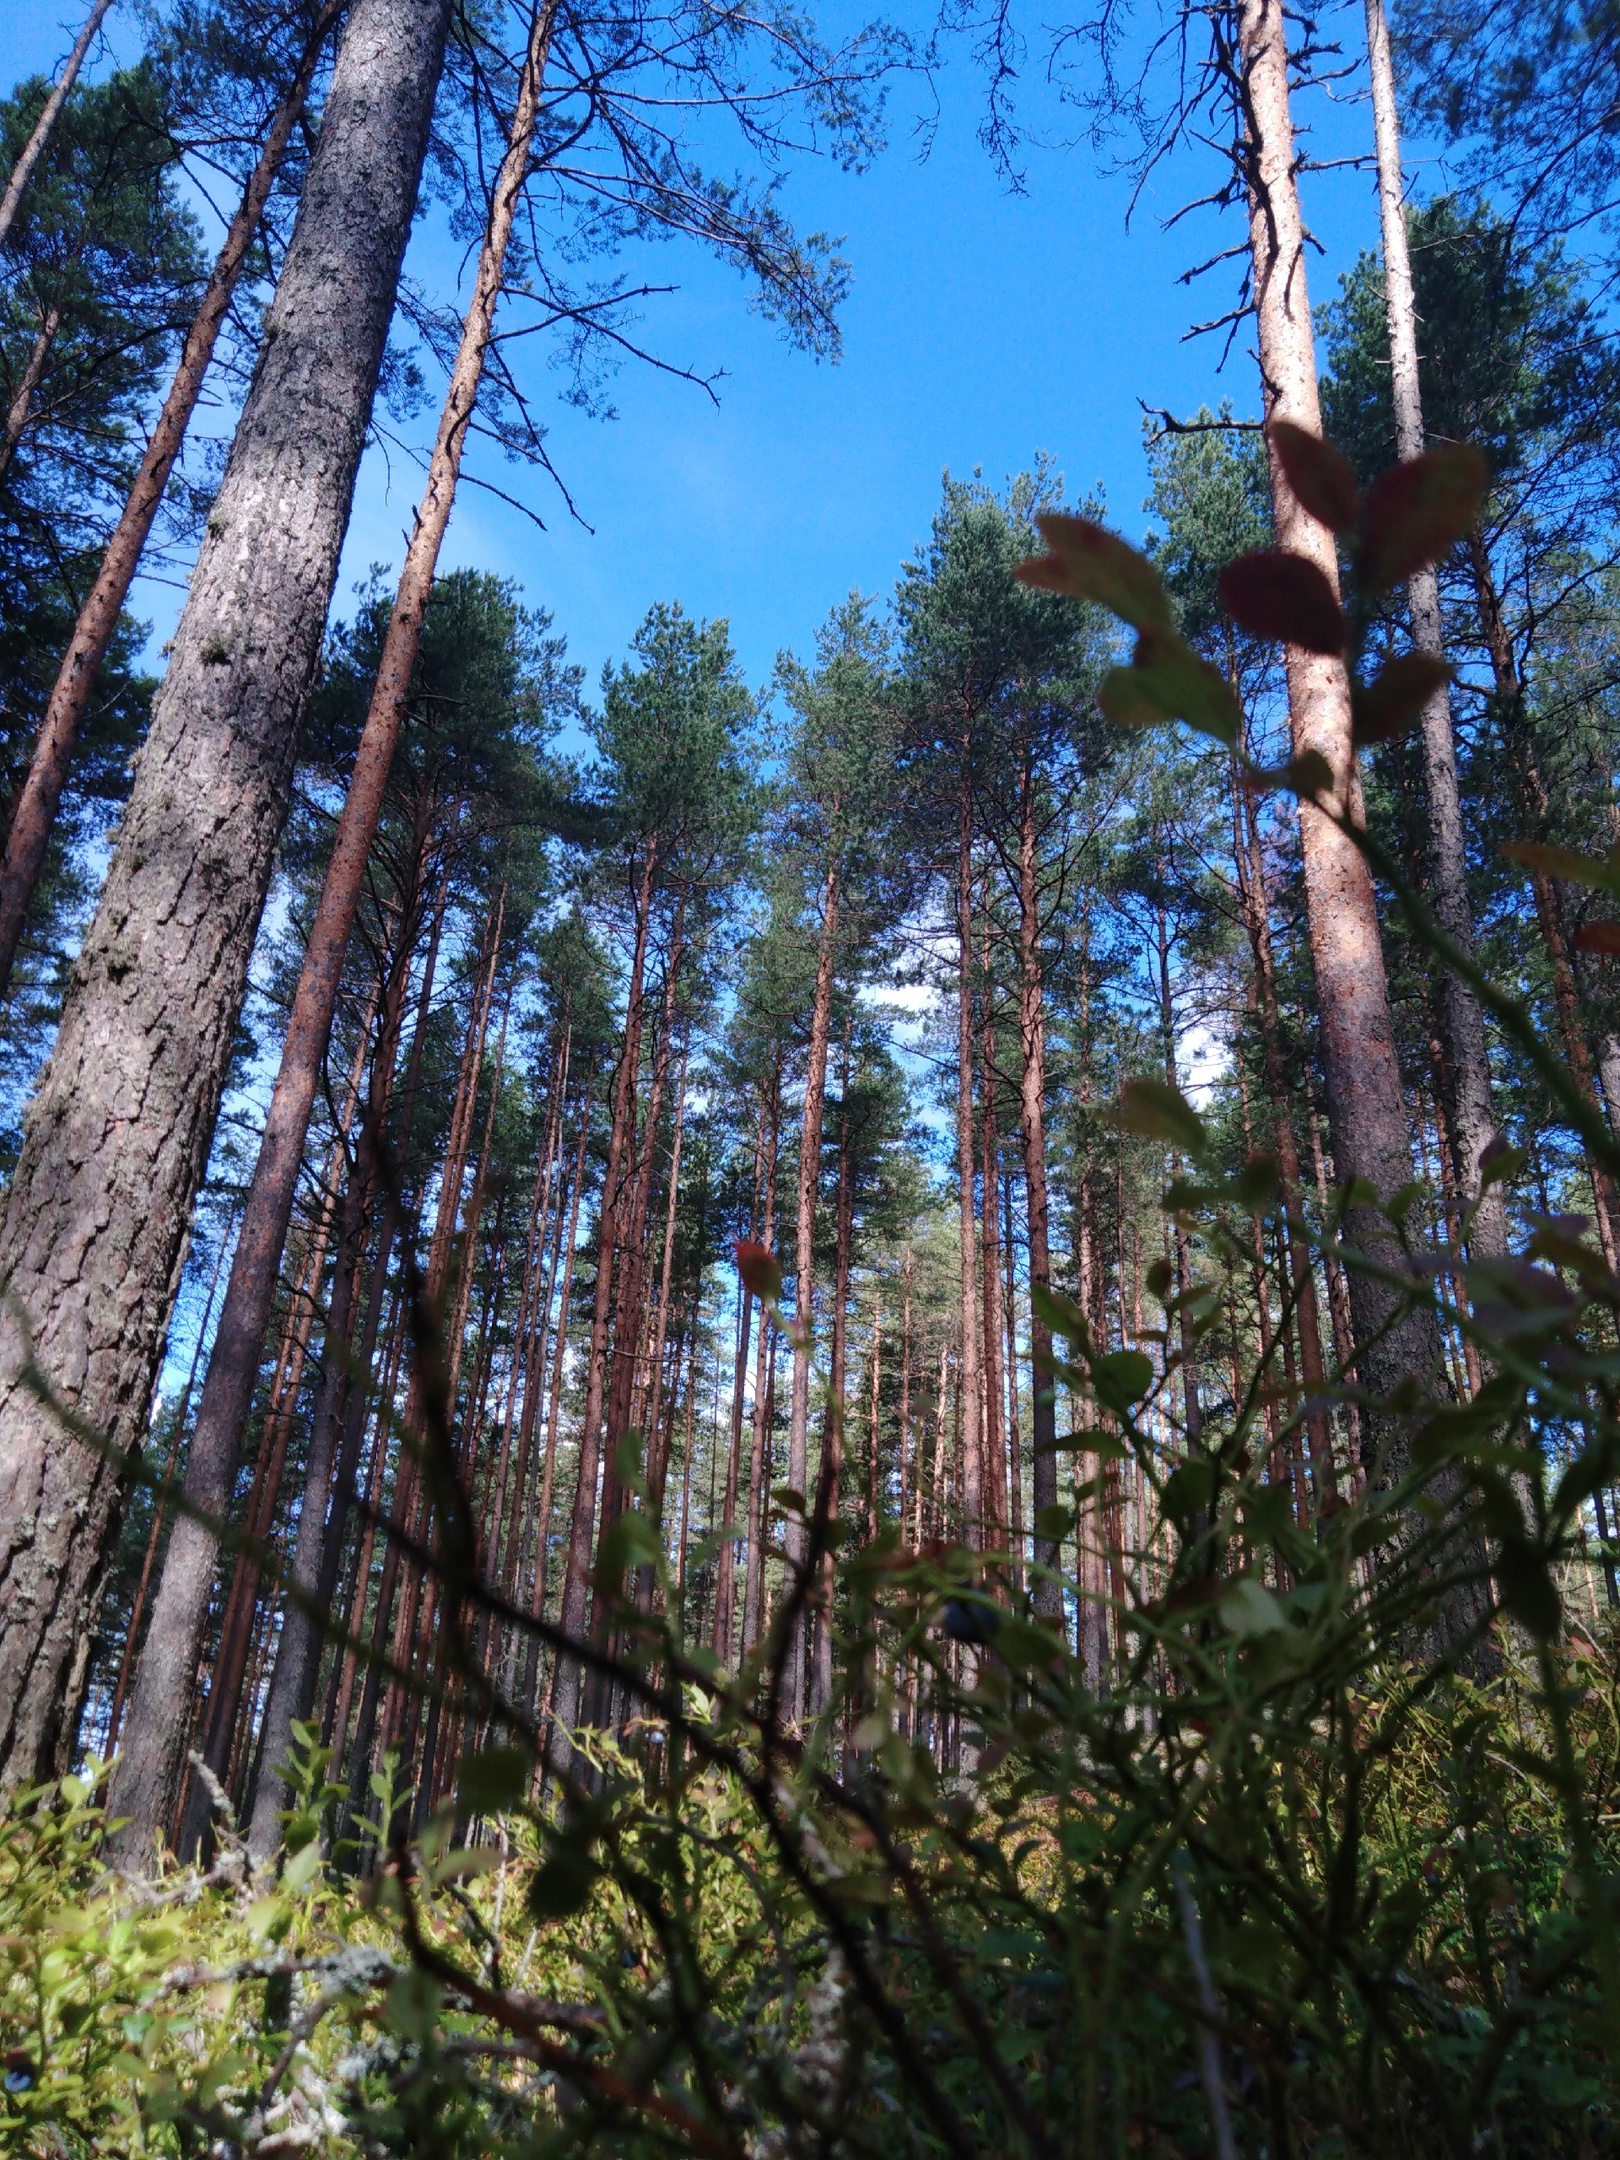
x: 149, y: 1768
x: 815, y: 1090
x: 759, y: 1504
x: 1032, y: 1130
x: 970, y: 1495
x: 35, y: 811
x: 40, y: 134
x: 1366, y: 1105
x: 1464, y: 1023
x: 120, y: 1128
x: 567, y: 1678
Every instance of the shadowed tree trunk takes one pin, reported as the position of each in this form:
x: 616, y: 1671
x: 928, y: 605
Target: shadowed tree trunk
x: 120, y: 1127
x: 148, y: 1769
x: 567, y: 1677
x: 759, y: 1499
x: 804, y: 1292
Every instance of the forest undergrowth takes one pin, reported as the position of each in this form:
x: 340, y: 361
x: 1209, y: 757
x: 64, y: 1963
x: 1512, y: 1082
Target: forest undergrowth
x: 1327, y: 1864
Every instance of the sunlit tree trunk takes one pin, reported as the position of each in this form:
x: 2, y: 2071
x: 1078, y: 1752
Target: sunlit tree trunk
x: 1366, y: 1105
x: 1549, y: 917
x: 970, y: 1493
x: 1448, y: 868
x: 1255, y: 902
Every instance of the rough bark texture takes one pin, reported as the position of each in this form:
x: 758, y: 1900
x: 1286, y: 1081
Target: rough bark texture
x: 1366, y: 1107
x: 1464, y: 1023
x: 41, y: 792
x: 119, y: 1131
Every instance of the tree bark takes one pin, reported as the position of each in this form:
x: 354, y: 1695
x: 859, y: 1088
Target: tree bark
x: 993, y: 1475
x: 819, y: 1662
x: 34, y: 149
x: 21, y: 406
x: 567, y: 1677
x: 35, y: 811
x: 1254, y: 899
x: 1472, y: 1118
x: 759, y: 1497
x: 120, y: 1127
x: 970, y: 1495
x: 542, y: 1530
x: 1032, y: 1129
x: 231, y: 1370
x: 804, y: 1293
x: 1366, y: 1105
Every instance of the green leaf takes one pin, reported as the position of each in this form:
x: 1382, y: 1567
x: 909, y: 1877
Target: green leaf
x: 1106, y: 1446
x: 562, y: 1883
x: 1126, y: 697
x: 1395, y: 699
x: 1054, y: 1522
x: 1089, y: 563
x: 1527, y: 1588
x: 1500, y: 1162
x: 1021, y: 1643
x: 1189, y: 1490
x: 1121, y: 1380
x: 413, y: 2004
x: 1274, y: 593
x: 1249, y: 1608
x: 1258, y: 1184
x: 493, y: 1781
x: 1171, y: 675
x: 1562, y: 862
x: 627, y: 1460
x: 1320, y: 475
x: 1061, y: 1314
x: 1417, y: 511
x: 631, y: 1541
x: 1157, y: 1111
x: 302, y: 1868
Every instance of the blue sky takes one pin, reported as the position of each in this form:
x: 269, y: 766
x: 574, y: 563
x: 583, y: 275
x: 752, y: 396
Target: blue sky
x: 982, y: 327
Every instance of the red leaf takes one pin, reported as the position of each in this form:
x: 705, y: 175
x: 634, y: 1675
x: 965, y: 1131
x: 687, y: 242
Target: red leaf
x: 1599, y: 937
x: 1417, y: 511
x: 1089, y: 563
x: 1319, y: 474
x: 760, y: 1270
x: 1392, y: 703
x: 1278, y: 595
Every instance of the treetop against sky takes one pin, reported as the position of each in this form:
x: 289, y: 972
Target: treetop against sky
x: 982, y: 326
